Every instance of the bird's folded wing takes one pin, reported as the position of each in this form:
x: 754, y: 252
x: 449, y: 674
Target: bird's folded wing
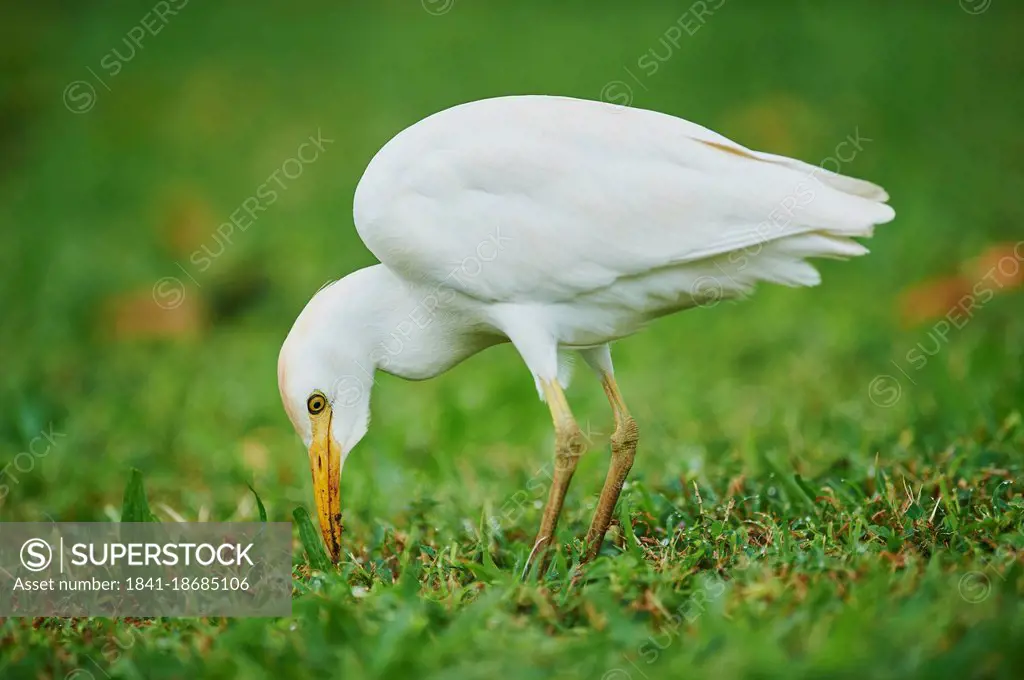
x: 546, y: 198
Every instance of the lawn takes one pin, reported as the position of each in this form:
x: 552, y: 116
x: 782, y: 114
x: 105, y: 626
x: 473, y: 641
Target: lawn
x: 828, y: 481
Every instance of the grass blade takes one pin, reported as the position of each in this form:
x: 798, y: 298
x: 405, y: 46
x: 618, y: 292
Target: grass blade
x: 311, y: 543
x: 259, y: 504
x: 135, y: 507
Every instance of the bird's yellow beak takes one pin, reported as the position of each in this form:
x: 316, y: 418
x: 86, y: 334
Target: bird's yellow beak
x: 325, y: 463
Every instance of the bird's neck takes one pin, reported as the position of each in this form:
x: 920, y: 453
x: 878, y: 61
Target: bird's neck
x: 412, y: 330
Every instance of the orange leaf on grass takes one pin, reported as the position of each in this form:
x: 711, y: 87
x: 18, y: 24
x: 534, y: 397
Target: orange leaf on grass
x: 998, y: 269
x: 137, y: 315
x: 932, y: 299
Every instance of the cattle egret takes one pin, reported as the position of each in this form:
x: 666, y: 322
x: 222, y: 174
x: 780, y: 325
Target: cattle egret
x: 558, y: 225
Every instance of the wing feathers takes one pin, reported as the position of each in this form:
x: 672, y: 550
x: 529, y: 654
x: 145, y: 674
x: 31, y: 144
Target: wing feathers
x: 547, y: 199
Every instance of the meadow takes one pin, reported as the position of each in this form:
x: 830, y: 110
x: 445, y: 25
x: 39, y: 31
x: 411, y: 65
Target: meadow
x: 828, y: 481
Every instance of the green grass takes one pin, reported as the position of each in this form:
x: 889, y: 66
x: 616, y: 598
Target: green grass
x: 778, y: 522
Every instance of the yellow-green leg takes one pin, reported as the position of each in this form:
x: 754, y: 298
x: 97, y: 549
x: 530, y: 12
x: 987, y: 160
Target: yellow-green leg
x: 623, y: 441
x: 569, y: 446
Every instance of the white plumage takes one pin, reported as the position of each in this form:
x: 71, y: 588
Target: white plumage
x: 557, y: 224
x: 592, y: 218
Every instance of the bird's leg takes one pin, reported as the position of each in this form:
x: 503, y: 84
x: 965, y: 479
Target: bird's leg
x: 569, y: 446
x: 624, y: 440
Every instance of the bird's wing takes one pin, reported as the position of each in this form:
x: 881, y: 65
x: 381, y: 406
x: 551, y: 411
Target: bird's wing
x: 542, y: 199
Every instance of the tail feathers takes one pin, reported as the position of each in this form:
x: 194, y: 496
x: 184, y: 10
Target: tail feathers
x: 785, y: 261
x: 786, y: 272
x: 843, y: 183
x: 852, y: 185
x: 848, y: 185
x: 820, y: 245
x: 829, y: 209
x: 730, y: 275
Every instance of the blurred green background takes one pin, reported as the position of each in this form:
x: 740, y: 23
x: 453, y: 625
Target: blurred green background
x: 110, y: 182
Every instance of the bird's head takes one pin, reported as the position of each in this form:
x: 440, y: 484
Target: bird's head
x: 325, y: 380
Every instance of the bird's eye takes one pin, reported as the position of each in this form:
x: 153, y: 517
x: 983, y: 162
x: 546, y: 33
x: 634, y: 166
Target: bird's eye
x: 316, y: 404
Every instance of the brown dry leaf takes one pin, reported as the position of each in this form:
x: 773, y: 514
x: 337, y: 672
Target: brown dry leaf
x: 736, y: 486
x: 998, y: 269
x: 897, y: 560
x: 932, y: 299
x: 1002, y: 266
x: 137, y: 315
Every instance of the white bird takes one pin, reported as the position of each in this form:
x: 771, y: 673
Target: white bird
x: 558, y: 225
